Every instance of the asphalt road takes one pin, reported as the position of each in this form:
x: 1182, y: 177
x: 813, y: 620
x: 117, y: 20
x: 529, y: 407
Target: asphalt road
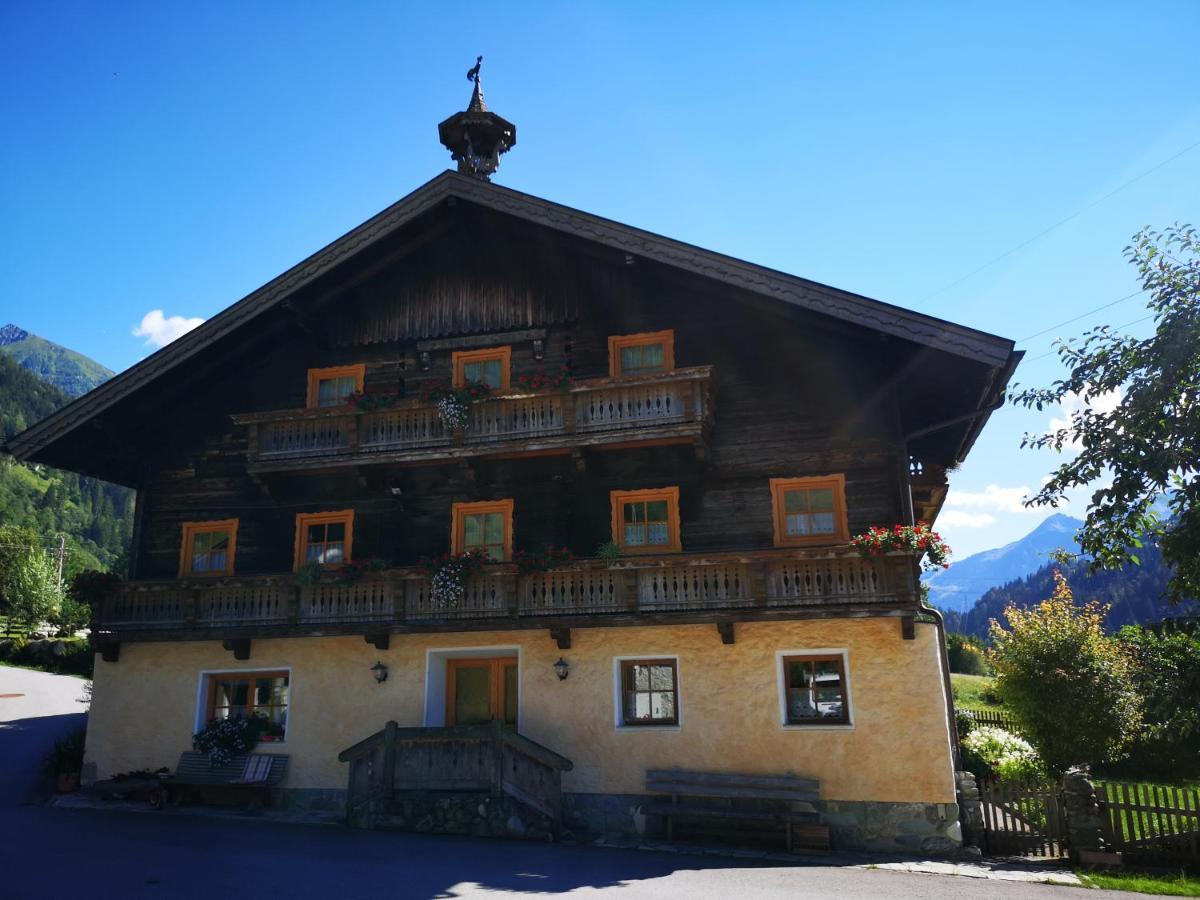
x: 48, y: 852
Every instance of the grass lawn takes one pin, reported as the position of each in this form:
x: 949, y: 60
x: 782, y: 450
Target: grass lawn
x: 1170, y: 885
x: 968, y: 691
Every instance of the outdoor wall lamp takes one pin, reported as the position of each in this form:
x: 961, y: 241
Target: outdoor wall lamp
x: 562, y: 669
x: 381, y: 672
x: 425, y: 360
x: 539, y: 349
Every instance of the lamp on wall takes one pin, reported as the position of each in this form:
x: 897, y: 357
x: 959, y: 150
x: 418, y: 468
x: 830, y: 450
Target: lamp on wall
x: 539, y: 348
x: 562, y: 669
x: 380, y: 671
x: 425, y: 360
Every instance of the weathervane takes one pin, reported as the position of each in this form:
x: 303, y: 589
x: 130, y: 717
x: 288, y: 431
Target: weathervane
x: 477, y: 136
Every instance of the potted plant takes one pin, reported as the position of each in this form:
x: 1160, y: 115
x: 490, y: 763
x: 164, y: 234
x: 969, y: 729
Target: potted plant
x: 919, y: 539
x: 448, y: 575
x: 608, y: 553
x: 453, y: 404
x: 552, y: 557
x: 65, y: 761
x: 540, y: 381
x: 223, y: 739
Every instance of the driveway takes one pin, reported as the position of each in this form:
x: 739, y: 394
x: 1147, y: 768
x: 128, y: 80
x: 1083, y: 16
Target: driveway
x: 58, y: 852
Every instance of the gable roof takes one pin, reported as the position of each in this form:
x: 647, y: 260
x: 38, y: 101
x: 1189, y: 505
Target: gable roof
x: 929, y: 331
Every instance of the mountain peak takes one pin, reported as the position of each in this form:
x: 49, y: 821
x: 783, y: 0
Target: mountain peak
x: 67, y: 370
x: 958, y: 587
x: 11, y: 334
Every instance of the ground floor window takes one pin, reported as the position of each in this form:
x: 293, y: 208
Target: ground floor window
x: 815, y: 689
x: 241, y: 695
x: 649, y: 692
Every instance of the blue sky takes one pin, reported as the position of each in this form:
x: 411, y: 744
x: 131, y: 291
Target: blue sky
x: 174, y: 157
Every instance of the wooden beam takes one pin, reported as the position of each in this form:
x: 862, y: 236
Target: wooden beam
x: 240, y: 647
x: 380, y: 640
x: 497, y: 339
x: 908, y: 628
x: 726, y: 631
x: 561, y: 636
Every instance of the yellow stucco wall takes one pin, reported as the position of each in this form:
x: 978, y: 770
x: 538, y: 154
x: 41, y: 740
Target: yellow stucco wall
x: 898, y: 749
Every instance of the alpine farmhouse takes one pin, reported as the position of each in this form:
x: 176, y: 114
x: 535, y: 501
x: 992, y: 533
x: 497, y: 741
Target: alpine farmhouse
x: 546, y: 491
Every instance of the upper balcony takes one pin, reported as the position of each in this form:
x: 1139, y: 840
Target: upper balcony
x: 674, y: 406
x: 683, y: 587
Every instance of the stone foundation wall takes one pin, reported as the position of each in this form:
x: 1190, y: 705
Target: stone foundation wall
x: 929, y: 828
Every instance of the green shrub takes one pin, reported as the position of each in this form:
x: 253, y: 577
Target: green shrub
x: 1069, y: 685
x: 963, y: 723
x: 966, y: 655
x: 1168, y: 679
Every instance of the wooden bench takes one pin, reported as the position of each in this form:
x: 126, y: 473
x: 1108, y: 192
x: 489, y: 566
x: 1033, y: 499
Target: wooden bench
x: 195, y: 770
x: 785, y: 799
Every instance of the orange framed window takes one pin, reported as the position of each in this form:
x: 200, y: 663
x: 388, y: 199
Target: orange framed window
x: 646, y: 521
x: 809, y: 510
x: 243, y: 695
x: 483, y: 526
x: 208, y: 548
x: 324, y: 538
x: 488, y: 367
x: 641, y: 354
x: 331, y: 387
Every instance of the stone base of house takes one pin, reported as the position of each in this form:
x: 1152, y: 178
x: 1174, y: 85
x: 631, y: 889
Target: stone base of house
x: 931, y: 829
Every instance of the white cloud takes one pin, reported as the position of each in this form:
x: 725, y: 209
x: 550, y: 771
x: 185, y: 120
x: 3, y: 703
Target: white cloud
x: 1073, y: 404
x: 956, y: 518
x: 160, y: 330
x: 993, y: 498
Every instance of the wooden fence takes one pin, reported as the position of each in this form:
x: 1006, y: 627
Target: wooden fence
x: 994, y: 717
x: 1150, y: 823
x: 1024, y: 818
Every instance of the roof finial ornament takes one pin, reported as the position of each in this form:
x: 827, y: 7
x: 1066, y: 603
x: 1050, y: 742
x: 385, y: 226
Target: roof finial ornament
x: 477, y: 137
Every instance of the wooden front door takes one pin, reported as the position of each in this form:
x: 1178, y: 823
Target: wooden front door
x: 481, y: 690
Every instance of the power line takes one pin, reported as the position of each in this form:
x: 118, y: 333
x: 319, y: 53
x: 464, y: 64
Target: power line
x: 1061, y: 222
x: 1081, y: 316
x: 1118, y: 328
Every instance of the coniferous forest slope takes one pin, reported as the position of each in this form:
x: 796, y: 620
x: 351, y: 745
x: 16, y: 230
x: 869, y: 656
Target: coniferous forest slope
x: 1137, y: 594
x: 96, y: 517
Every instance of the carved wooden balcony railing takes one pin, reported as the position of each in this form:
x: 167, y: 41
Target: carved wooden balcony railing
x: 664, y: 406
x: 586, y: 592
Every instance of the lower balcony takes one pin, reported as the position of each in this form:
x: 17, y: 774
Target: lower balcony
x: 722, y: 588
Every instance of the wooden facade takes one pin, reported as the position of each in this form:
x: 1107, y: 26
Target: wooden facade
x: 755, y: 389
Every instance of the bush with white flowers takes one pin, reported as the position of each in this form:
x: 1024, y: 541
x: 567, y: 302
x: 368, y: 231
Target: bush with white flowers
x: 991, y: 751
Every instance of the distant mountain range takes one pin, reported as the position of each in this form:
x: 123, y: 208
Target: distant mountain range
x: 71, y: 372
x: 959, y: 587
x: 1136, y: 594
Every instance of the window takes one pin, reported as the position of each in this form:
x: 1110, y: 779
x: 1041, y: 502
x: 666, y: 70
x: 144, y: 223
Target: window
x: 641, y: 354
x: 814, y: 690
x: 241, y: 695
x: 489, y: 367
x: 208, y: 548
x: 809, y: 510
x: 483, y: 526
x: 646, y: 521
x: 649, y: 692
x: 331, y: 387
x: 324, y: 538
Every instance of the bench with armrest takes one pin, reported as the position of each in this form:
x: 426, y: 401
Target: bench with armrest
x: 253, y: 774
x: 730, y: 796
